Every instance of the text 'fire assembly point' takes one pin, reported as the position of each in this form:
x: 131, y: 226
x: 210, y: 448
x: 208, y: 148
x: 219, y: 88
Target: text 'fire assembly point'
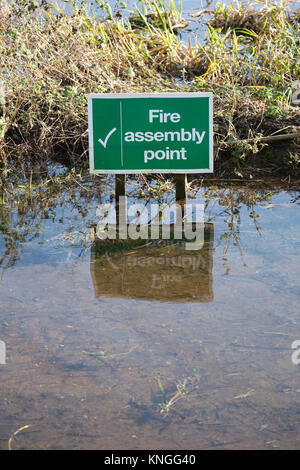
x: 151, y: 133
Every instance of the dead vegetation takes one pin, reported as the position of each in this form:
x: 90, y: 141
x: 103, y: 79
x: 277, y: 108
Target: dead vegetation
x: 243, y: 16
x: 51, y: 60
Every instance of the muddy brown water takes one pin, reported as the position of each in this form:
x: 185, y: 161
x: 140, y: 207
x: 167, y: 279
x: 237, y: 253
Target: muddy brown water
x: 151, y: 347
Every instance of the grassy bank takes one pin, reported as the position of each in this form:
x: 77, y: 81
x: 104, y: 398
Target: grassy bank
x: 51, y: 60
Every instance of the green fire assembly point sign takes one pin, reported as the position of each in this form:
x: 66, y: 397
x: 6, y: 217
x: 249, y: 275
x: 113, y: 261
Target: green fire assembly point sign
x: 151, y: 133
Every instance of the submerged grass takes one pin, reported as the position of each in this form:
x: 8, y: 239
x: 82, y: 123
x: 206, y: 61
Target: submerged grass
x: 51, y: 60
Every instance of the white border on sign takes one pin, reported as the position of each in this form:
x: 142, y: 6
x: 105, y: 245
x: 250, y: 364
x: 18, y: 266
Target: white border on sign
x: 154, y: 96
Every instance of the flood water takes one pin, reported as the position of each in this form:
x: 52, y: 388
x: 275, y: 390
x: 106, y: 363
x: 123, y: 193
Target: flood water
x: 150, y: 346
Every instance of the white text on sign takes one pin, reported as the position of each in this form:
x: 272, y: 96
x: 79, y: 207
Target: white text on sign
x: 181, y: 135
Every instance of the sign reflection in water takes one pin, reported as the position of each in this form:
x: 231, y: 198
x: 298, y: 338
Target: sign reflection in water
x: 157, y: 270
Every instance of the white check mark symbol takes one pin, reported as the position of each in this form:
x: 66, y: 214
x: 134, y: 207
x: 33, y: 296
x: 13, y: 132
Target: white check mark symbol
x: 104, y: 142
